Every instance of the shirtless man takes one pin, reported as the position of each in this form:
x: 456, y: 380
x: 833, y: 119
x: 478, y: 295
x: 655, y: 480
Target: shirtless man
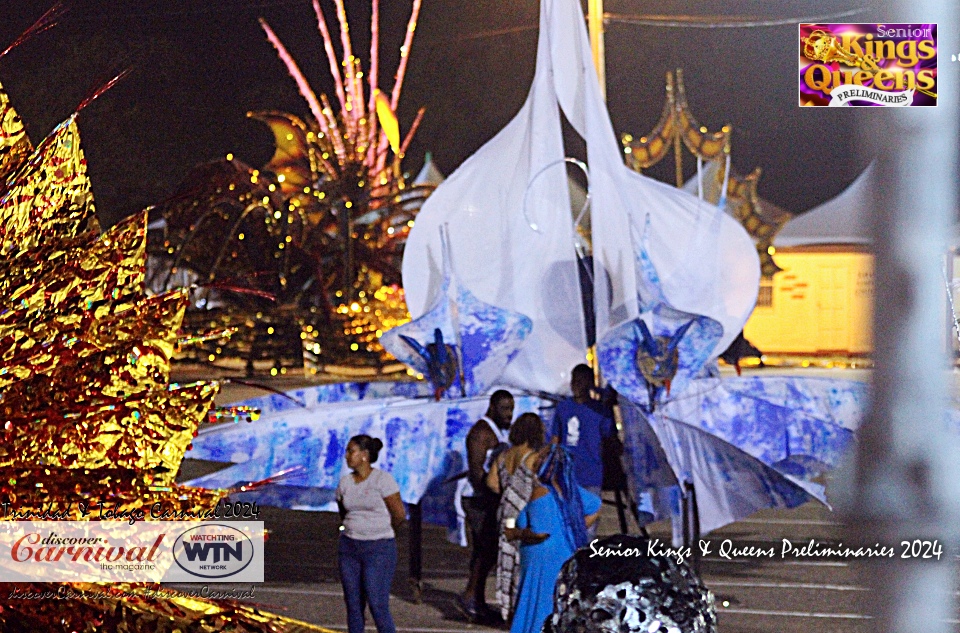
x: 487, y: 435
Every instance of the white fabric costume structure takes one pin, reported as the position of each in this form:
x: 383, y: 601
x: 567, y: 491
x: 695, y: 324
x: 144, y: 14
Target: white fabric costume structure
x: 493, y: 202
x: 743, y: 444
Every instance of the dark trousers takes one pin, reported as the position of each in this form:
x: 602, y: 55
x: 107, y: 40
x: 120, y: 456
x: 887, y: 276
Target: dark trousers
x: 481, y: 514
x: 366, y: 572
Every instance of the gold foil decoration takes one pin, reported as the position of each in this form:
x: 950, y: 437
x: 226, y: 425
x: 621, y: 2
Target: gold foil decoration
x: 14, y: 144
x: 84, y: 354
x: 149, y: 434
x: 89, y: 427
x: 105, y: 267
x: 49, y: 192
x: 126, y: 371
x: 88, y: 494
x: 40, y: 346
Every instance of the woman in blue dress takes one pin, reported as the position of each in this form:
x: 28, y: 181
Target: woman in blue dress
x: 550, y: 528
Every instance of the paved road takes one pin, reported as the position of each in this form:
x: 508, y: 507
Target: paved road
x: 753, y: 594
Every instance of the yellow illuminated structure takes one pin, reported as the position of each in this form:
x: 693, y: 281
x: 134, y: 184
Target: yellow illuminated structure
x: 819, y: 304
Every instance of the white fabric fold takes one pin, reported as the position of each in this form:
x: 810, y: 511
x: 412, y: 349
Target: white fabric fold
x: 707, y: 261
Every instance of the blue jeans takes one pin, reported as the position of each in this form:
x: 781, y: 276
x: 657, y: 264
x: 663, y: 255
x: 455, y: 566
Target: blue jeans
x: 366, y: 572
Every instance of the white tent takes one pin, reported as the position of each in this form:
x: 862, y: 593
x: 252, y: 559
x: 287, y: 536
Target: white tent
x: 840, y: 220
x: 822, y: 301
x: 429, y: 173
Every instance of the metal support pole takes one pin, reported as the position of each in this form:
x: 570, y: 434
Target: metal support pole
x: 595, y: 26
x: 908, y: 473
x: 691, y: 523
x: 621, y: 510
x: 416, y: 551
x: 685, y: 515
x: 346, y: 236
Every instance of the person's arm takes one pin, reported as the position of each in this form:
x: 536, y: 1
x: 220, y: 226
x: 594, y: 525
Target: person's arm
x: 480, y: 439
x: 607, y: 426
x: 397, y: 512
x: 493, y: 477
x: 342, y: 510
x: 591, y: 506
x: 523, y: 532
x: 525, y: 535
x: 558, y: 426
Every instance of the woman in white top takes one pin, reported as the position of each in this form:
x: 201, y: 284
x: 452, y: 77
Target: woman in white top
x: 370, y: 511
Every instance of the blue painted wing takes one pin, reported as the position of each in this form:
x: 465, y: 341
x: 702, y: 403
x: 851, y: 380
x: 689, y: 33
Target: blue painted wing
x: 625, y: 349
x: 424, y: 445
x: 730, y: 484
x: 486, y: 338
x: 620, y: 347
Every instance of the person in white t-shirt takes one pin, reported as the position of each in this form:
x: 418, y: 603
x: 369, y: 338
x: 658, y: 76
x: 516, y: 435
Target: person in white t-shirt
x: 370, y: 511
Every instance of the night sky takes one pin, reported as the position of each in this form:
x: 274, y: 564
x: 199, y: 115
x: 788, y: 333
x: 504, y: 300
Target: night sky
x: 199, y: 65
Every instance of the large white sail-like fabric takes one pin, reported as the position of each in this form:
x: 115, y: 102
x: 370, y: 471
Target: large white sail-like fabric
x: 707, y: 261
x: 490, y: 203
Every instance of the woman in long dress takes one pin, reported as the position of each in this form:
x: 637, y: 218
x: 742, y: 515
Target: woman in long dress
x: 550, y: 528
x: 513, y: 476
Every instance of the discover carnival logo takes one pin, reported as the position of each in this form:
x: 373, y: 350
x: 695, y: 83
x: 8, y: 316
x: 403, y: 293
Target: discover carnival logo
x: 119, y: 551
x: 868, y: 65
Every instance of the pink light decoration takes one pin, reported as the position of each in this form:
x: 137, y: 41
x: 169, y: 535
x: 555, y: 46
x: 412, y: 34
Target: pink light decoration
x: 405, y: 54
x: 398, y: 83
x: 331, y: 121
x: 305, y: 90
x: 413, y: 130
x: 374, y: 55
x: 370, y: 158
x: 354, y: 104
x: 360, y: 111
x: 102, y: 89
x: 46, y: 21
x: 354, y: 131
x: 331, y: 56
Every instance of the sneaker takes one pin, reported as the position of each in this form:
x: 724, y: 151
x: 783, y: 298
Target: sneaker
x: 469, y: 609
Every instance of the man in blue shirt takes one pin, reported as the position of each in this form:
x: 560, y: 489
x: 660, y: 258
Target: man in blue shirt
x: 581, y: 423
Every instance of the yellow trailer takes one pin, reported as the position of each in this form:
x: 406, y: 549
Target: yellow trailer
x: 820, y: 304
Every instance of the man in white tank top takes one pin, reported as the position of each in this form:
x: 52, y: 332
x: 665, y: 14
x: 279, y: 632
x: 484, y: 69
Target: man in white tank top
x: 484, y: 441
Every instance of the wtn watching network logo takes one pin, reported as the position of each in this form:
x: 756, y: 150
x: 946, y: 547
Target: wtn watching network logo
x: 214, y: 551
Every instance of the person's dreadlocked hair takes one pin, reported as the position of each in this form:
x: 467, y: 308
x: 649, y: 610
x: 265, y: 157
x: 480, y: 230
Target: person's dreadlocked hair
x: 557, y: 474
